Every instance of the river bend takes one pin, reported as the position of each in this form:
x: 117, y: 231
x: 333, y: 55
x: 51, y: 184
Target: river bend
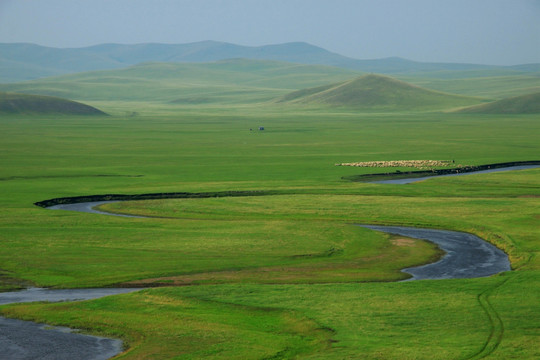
x: 412, y: 180
x: 467, y: 255
x: 25, y: 340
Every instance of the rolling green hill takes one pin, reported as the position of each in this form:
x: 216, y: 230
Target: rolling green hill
x: 524, y: 104
x: 245, y: 81
x: 13, y: 103
x: 229, y: 81
x: 376, y: 92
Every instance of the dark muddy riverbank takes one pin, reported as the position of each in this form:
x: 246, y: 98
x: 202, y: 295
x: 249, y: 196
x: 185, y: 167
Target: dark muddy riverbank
x: 153, y: 196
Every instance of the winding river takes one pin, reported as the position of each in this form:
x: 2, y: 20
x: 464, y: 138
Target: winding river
x: 467, y: 256
x: 412, y: 180
x: 22, y: 340
x: 90, y: 207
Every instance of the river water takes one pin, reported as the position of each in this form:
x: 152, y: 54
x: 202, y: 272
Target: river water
x: 467, y: 255
x: 25, y: 340
x: 411, y: 180
x: 90, y: 207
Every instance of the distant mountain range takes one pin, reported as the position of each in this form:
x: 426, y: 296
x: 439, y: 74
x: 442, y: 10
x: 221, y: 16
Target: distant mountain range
x: 20, y: 61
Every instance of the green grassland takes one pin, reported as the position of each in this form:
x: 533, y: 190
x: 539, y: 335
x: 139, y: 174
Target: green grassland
x: 287, y: 275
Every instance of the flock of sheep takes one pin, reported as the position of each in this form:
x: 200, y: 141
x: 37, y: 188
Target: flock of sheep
x: 419, y: 164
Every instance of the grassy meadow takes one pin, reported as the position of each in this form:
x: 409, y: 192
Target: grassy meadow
x: 280, y: 276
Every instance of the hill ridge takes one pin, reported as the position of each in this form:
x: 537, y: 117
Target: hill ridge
x: 376, y: 91
x: 522, y: 104
x: 227, y: 81
x: 15, y: 103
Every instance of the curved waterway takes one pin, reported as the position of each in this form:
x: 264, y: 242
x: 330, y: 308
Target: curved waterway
x: 90, y: 207
x: 412, y: 180
x: 22, y: 340
x: 467, y: 255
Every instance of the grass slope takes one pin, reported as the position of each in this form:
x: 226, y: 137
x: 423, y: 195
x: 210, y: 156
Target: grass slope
x: 524, y: 104
x: 224, y: 82
x: 492, y: 87
x: 376, y: 92
x: 14, y: 103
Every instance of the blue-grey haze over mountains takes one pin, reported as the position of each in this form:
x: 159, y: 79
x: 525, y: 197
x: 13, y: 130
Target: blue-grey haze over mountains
x: 498, y: 32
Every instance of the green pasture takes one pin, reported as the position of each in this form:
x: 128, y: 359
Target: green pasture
x: 280, y: 276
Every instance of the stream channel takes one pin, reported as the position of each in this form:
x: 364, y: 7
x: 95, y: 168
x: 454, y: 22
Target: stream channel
x: 25, y: 340
x: 412, y: 180
x: 467, y: 256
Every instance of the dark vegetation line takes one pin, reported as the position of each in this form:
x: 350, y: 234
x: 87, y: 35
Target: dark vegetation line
x: 435, y: 172
x: 233, y: 193
x: 154, y: 196
x: 62, y: 176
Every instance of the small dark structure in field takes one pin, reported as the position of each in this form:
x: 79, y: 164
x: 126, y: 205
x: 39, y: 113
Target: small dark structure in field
x: 261, y: 128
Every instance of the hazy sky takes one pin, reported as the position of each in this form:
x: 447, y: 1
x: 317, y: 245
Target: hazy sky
x: 502, y: 32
